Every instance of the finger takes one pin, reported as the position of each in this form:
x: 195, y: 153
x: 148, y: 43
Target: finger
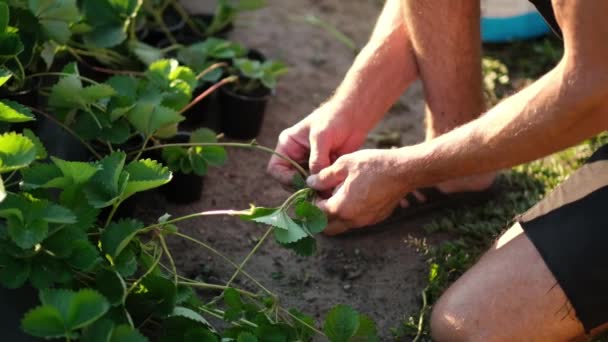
x: 319, y: 153
x: 336, y: 227
x: 328, y: 178
x: 284, y: 174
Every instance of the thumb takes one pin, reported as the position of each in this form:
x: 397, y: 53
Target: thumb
x: 319, y: 153
x: 328, y: 178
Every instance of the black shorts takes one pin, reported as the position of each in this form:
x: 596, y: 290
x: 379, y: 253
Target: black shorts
x: 569, y: 228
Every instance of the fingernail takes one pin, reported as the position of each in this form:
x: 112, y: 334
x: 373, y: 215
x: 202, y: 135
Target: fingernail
x: 311, y: 181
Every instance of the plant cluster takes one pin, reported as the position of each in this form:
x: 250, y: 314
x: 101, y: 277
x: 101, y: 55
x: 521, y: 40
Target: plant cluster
x: 105, y: 278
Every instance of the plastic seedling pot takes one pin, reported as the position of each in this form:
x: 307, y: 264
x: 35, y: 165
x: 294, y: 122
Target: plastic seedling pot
x: 184, y: 188
x: 241, y: 116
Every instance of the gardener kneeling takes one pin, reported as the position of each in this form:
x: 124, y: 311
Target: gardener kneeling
x: 545, y: 279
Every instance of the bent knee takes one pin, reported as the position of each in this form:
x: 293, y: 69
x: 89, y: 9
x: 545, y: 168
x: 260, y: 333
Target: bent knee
x: 456, y: 319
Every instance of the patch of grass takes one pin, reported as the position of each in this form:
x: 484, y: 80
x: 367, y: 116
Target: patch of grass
x: 472, y: 231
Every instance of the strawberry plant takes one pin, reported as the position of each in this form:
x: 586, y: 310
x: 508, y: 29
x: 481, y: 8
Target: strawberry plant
x: 255, y: 75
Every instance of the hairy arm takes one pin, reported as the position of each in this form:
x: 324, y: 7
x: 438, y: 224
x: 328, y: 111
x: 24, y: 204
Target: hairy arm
x: 383, y: 69
x: 566, y: 106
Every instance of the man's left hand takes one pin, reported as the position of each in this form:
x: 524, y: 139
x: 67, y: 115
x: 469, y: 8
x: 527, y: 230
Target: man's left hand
x: 366, y: 187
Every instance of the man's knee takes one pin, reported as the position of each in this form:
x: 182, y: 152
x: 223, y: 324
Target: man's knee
x: 454, y: 320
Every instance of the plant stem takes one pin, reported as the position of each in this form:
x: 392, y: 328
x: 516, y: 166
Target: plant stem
x: 210, y: 69
x: 203, y: 285
x: 69, y: 130
x: 182, y: 12
x: 313, y: 328
x: 159, y: 21
x: 112, y: 212
x: 421, y: 317
x: 232, y: 263
x: 251, y: 253
x: 118, y: 72
x: 10, y: 176
x: 142, y: 148
x: 219, y: 314
x: 207, y: 92
x: 252, y: 145
x: 191, y: 216
x: 148, y: 271
x: 163, y: 243
x: 41, y: 74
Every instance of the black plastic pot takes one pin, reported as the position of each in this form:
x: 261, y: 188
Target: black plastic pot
x: 153, y: 35
x: 131, y: 145
x: 183, y: 188
x: 256, y: 55
x: 60, y: 143
x: 27, y: 95
x: 204, y: 113
x: 15, y: 303
x: 241, y: 116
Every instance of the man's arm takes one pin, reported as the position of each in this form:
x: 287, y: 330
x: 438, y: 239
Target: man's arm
x: 564, y: 107
x: 379, y: 75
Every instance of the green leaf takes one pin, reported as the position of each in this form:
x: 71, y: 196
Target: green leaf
x: 66, y: 93
x: 55, y: 213
x: 118, y: 235
x: 27, y: 235
x: 341, y: 323
x: 124, y: 333
x: 64, y: 311
x: 42, y: 176
x: 148, y: 117
x: 147, y: 54
x: 278, y: 219
x: 181, y: 311
x: 126, y: 263
x: 76, y: 172
x: 96, y: 92
x: 112, y: 286
x: 44, y: 321
x: 108, y: 184
x: 158, y: 297
x: 14, y: 272
x: 47, y: 271
x: 200, y: 335
x: 100, y: 331
x: 304, y: 247
x: 105, y: 36
x: 16, y: 151
x: 13, y: 112
x: 84, y: 256
x: 294, y: 234
x: 41, y: 152
x: 144, y: 175
x: 367, y: 331
x: 5, y: 75
x: 62, y: 243
x: 3, y: 17
x: 55, y: 17
x: 311, y: 216
x: 247, y: 337
x: 232, y: 299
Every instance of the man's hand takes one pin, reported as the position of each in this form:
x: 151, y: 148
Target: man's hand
x: 328, y: 133
x: 367, y: 186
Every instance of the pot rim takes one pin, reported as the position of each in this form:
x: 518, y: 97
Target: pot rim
x: 246, y: 97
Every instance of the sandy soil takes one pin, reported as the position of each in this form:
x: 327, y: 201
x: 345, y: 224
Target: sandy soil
x: 376, y: 272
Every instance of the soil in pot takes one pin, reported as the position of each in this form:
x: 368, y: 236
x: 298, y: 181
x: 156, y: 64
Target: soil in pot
x: 241, y: 116
x: 183, y: 188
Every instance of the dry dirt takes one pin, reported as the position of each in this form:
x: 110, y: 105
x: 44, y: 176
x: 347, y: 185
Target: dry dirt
x: 376, y: 272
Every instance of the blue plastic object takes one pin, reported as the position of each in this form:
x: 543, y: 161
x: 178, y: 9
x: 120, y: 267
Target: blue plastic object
x: 508, y: 20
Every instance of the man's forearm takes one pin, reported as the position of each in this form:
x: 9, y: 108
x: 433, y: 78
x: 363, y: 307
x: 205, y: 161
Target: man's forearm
x: 382, y: 71
x: 562, y: 108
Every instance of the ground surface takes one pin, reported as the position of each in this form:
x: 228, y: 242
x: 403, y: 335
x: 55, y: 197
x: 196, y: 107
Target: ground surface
x: 377, y: 272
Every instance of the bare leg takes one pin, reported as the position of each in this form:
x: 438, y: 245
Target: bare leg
x: 446, y: 41
x: 509, y: 295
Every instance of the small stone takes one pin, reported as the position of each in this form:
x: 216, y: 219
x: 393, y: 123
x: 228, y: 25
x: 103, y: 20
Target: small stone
x: 354, y: 274
x: 347, y: 287
x: 357, y: 251
x: 309, y: 296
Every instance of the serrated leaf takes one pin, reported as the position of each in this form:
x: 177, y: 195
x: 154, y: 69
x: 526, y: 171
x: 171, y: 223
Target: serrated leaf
x: 341, y: 323
x: 367, y: 331
x: 311, y: 216
x: 158, y: 297
x: 278, y: 219
x: 126, y: 263
x: 108, y: 184
x: 66, y: 93
x: 47, y: 271
x: 112, y: 286
x: 14, y: 272
x: 84, y: 256
x: 5, y: 75
x: 99, y: 331
x: 41, y: 152
x: 44, y: 322
x: 124, y: 333
x: 55, y: 213
x: 148, y: 117
x: 27, y: 234
x: 294, y: 234
x: 232, y: 299
x: 16, y: 151
x: 303, y: 247
x: 192, y: 315
x: 247, y: 337
x: 200, y: 335
x: 147, y: 54
x: 144, y: 175
x: 55, y: 17
x: 118, y: 235
x: 13, y: 112
x: 96, y: 92
x: 62, y: 243
x: 42, y: 176
x: 77, y: 172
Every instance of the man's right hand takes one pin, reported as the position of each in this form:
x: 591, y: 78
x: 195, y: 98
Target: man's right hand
x: 319, y: 139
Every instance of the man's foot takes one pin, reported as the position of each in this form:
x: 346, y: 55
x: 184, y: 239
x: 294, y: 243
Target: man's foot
x: 473, y: 184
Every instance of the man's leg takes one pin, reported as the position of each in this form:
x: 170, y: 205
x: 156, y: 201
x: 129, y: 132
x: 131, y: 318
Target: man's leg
x: 447, y: 46
x: 509, y: 295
